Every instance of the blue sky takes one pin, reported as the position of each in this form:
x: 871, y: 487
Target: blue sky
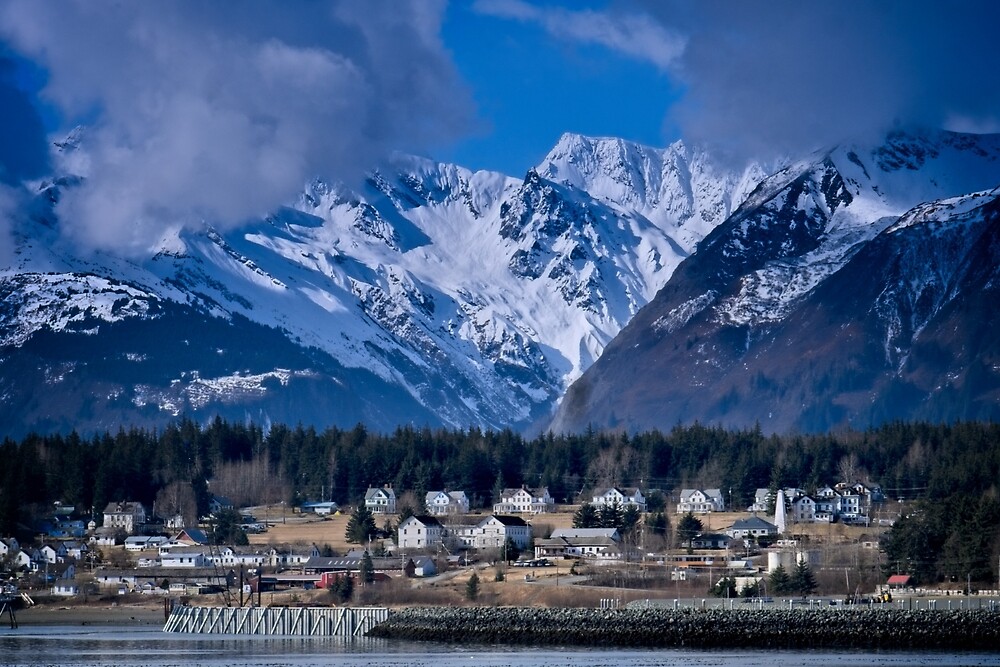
x: 529, y: 87
x: 197, y: 112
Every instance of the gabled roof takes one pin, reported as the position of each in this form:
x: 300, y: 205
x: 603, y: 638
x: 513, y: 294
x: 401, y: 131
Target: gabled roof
x: 379, y: 491
x: 753, y: 523
x: 506, y: 520
x: 585, y: 533
x: 424, y: 519
x: 899, y: 579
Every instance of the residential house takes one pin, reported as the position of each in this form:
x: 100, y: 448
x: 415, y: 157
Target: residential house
x: 700, y: 501
x: 320, y: 508
x: 189, y: 537
x: 103, y: 537
x: 232, y: 557
x: 444, y: 503
x: 803, y: 510
x: 420, y: 532
x: 219, y: 503
x: 127, y: 516
x: 524, y: 501
x: 142, y: 542
x: 415, y: 566
x: 497, y: 529
x: 711, y: 541
x: 381, y: 500
x: 621, y: 498
x: 490, y: 533
x: 76, y: 550
x: 22, y: 560
x: 52, y: 553
x: 752, y: 527
x: 600, y: 543
x: 761, y: 501
x: 290, y: 556
x: 9, y: 545
x: 185, y: 557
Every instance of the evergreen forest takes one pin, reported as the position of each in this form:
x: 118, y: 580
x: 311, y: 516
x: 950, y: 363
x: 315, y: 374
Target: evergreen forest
x: 946, y: 476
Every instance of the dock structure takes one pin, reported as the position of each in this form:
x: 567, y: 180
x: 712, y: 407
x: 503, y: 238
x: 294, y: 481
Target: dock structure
x: 7, y: 607
x: 299, y: 621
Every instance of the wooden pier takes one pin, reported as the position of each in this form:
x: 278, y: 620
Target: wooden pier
x: 7, y: 607
x: 298, y: 621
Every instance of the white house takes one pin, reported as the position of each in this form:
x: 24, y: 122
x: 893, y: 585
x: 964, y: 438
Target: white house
x: 700, y: 501
x: 22, y: 559
x: 620, y: 497
x: 491, y: 532
x: 601, y: 543
x: 761, y: 500
x: 752, y: 527
x: 128, y: 516
x: 289, y: 556
x: 381, y: 500
x: 185, y: 557
x: 804, y: 510
x: 323, y: 508
x: 524, y: 501
x: 141, y: 542
x: 230, y: 557
x: 497, y: 529
x: 443, y: 503
x: 420, y: 532
x: 9, y: 545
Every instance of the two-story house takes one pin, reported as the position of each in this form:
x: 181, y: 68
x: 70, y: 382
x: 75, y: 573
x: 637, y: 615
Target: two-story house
x: 420, y: 532
x: 381, y: 500
x: 128, y: 516
x: 700, y: 501
x: 524, y: 501
x: 444, y: 503
x: 620, y: 497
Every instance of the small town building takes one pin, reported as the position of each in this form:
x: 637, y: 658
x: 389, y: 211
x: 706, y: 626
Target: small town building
x: 381, y: 500
x: 524, y: 501
x: 127, y: 516
x: 444, y: 503
x: 700, y: 501
x: 621, y: 497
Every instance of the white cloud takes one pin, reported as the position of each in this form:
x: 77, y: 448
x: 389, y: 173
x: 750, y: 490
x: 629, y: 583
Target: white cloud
x: 221, y: 112
x: 635, y: 35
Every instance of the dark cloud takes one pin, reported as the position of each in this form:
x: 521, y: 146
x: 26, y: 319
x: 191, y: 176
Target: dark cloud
x: 220, y: 111
x: 764, y: 77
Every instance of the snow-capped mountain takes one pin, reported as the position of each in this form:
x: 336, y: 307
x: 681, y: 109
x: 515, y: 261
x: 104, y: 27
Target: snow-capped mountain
x: 848, y: 288
x: 431, y: 295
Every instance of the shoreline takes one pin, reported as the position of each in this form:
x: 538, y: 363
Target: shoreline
x: 123, y: 615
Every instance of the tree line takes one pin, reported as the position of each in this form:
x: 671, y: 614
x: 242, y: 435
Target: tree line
x: 953, y: 469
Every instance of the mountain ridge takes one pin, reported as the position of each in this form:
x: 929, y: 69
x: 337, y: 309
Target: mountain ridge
x: 478, y: 295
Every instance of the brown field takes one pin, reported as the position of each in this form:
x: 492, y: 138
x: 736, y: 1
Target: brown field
x: 305, y: 529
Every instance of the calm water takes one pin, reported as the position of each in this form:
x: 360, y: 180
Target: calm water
x: 149, y: 647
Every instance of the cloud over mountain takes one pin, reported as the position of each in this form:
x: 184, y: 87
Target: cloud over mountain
x: 217, y: 112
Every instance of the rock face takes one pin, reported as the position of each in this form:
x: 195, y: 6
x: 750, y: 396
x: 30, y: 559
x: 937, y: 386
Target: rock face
x: 428, y: 295
x: 848, y: 289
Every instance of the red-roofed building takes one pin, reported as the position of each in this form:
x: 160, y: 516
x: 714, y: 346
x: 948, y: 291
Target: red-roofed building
x: 898, y: 581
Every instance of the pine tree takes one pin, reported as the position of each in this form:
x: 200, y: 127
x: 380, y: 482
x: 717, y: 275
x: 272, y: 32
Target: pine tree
x: 779, y: 582
x: 367, y: 569
x: 687, y: 528
x: 361, y: 525
x: 802, y: 579
x: 472, y: 588
x: 586, y: 517
x: 611, y: 516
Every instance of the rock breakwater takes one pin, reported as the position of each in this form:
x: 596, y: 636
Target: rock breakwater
x: 714, y: 628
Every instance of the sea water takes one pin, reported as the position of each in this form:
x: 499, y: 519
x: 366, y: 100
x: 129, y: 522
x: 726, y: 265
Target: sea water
x: 150, y: 647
